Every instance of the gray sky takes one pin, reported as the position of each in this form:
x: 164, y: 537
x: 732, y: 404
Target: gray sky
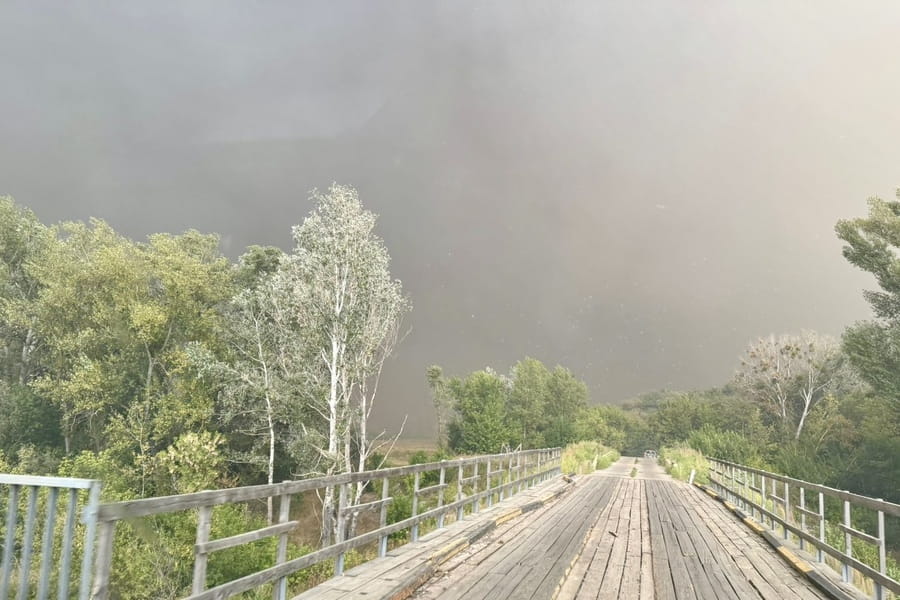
x: 631, y: 189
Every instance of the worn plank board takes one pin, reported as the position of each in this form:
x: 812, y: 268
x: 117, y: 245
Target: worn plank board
x: 574, y: 580
x: 644, y: 537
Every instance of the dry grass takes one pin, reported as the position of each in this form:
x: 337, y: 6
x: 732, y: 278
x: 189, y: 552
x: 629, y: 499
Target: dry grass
x: 405, y: 448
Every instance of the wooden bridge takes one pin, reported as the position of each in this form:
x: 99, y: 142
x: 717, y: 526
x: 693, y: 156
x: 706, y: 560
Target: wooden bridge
x: 511, y: 526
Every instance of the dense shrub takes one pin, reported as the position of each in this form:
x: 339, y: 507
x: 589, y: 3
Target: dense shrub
x: 587, y: 457
x: 680, y: 460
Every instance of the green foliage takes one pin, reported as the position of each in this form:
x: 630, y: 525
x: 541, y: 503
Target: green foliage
x: 567, y: 398
x: 481, y: 404
x: 680, y: 460
x: 533, y: 407
x: 27, y: 419
x: 678, y: 416
x: 586, y: 457
x: 726, y: 445
x: 873, y: 244
x: 626, y: 432
x: 526, y: 403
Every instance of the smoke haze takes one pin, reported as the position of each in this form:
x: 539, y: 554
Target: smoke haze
x: 633, y: 190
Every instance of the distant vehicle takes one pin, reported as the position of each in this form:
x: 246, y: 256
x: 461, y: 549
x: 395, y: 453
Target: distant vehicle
x: 650, y: 454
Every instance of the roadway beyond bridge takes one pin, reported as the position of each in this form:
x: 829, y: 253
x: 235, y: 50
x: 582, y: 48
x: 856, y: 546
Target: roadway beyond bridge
x: 614, y: 534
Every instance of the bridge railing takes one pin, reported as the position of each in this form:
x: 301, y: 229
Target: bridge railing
x: 47, y: 530
x: 824, y: 519
x: 478, y: 481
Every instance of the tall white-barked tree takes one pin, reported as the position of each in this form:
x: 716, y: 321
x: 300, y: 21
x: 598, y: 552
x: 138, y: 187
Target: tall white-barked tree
x: 349, y: 311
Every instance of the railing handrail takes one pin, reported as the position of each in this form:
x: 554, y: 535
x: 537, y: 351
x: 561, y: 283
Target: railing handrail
x: 751, y: 493
x: 42, y: 481
x: 866, y: 501
x: 502, y: 475
x: 128, y: 509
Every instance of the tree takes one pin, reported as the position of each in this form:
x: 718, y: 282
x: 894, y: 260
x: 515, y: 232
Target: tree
x: 442, y: 402
x: 526, y: 402
x: 790, y: 375
x: 567, y: 399
x: 873, y: 347
x: 113, y: 318
x: 23, y: 239
x: 481, y: 406
x: 677, y: 416
x: 255, y: 392
x: 349, y: 309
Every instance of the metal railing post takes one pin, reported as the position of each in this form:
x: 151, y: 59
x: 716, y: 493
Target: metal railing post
x: 102, y: 576
x: 882, y: 555
x: 47, y: 544
x: 10, y: 540
x: 27, y: 543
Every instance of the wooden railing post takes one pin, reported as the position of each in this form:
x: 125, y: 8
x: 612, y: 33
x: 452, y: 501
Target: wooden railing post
x: 341, y: 526
x: 440, y: 502
x: 489, y: 488
x: 279, y: 590
x: 820, y: 555
x: 788, y: 513
x: 519, y: 472
x: 476, y: 502
x: 848, y: 543
x: 733, y: 490
x: 746, y: 487
x: 103, y: 566
x: 803, y: 516
x: 414, y: 534
x: 383, y: 540
x: 459, y: 493
x: 204, y: 523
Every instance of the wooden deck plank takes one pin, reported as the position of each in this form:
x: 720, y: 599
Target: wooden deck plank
x: 601, y: 546
x: 579, y: 568
x: 663, y: 584
x: 646, y: 587
x: 629, y: 540
x: 526, y: 561
x: 704, y: 569
x: 652, y: 538
x: 675, y: 563
x: 534, y: 573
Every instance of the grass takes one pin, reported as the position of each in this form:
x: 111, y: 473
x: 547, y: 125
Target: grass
x: 406, y: 447
x: 679, y: 461
x: 586, y: 457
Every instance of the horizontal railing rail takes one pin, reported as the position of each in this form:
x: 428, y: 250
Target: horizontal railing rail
x: 479, y: 481
x: 798, y: 508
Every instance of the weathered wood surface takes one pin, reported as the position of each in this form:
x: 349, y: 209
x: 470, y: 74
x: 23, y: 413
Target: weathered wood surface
x: 406, y: 567
x: 616, y: 536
